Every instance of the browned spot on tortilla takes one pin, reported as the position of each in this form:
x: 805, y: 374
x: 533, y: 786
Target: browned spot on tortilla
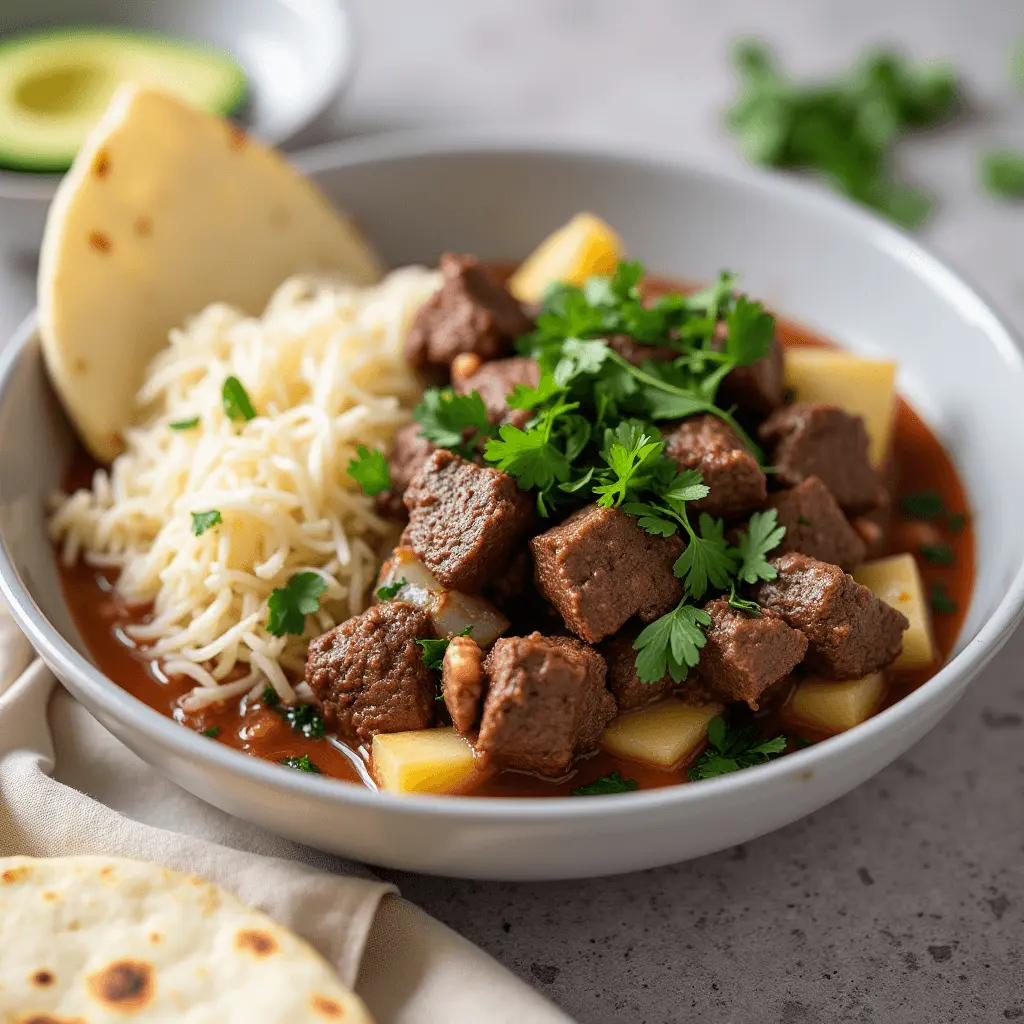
x: 79, y: 365
x: 326, y: 1007
x: 143, y: 226
x: 99, y: 241
x: 256, y: 942
x: 107, y: 872
x: 156, y: 938
x: 50, y: 896
x: 124, y: 985
x: 12, y: 875
x: 72, y: 926
x: 101, y: 166
x: 236, y: 137
x: 43, y: 979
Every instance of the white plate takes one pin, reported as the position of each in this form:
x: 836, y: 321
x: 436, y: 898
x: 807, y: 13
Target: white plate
x: 817, y: 259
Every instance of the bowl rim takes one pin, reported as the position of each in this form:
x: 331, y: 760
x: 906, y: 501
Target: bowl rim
x: 338, y: 23
x: 187, y: 744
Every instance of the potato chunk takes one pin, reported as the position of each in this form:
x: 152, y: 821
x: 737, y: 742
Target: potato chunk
x: 897, y: 581
x: 422, y: 761
x: 864, y: 387
x: 663, y: 735
x: 835, y: 707
x: 583, y: 248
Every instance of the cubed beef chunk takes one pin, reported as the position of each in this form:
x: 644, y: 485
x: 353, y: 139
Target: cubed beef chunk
x: 707, y: 444
x: 495, y: 381
x: 758, y: 388
x: 462, y: 682
x: 546, y: 703
x: 470, y: 312
x: 623, y: 678
x: 369, y: 675
x: 850, y: 632
x: 465, y: 521
x: 637, y: 353
x: 814, y: 439
x: 599, y: 569
x: 815, y: 525
x: 408, y: 454
x: 747, y: 654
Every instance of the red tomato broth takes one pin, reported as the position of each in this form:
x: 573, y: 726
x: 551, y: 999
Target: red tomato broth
x: 918, y: 461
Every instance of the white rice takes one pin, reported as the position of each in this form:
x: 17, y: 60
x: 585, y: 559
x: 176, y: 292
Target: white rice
x: 325, y: 371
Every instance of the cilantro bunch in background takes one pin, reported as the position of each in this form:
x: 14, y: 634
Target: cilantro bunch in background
x: 845, y: 128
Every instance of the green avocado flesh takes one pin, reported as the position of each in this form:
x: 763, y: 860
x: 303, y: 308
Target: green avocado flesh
x: 54, y: 85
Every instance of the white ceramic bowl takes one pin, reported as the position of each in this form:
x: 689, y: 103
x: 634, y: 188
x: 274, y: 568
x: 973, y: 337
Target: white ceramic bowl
x: 814, y: 258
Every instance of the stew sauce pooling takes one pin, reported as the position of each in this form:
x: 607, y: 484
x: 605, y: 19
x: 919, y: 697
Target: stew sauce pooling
x: 943, y: 549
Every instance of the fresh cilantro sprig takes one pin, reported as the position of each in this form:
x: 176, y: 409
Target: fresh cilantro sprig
x: 454, y: 421
x: 732, y: 748
x: 433, y: 650
x: 289, y: 605
x: 203, y: 521
x: 671, y: 644
x: 389, y: 591
x: 370, y: 470
x: 616, y: 782
x: 301, y: 764
x: 304, y: 719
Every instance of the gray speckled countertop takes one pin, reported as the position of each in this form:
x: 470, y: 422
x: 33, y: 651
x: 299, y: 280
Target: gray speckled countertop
x: 904, y: 901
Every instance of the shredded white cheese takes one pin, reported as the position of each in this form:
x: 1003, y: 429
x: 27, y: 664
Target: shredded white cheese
x: 325, y: 371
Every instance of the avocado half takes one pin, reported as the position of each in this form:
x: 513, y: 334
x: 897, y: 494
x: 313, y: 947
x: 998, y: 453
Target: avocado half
x: 55, y: 84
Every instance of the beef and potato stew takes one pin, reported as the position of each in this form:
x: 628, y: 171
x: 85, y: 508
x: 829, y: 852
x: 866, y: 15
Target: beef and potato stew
x: 642, y: 535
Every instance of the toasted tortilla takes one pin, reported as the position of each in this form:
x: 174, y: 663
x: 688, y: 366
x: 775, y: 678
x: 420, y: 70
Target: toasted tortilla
x: 165, y: 210
x: 99, y: 940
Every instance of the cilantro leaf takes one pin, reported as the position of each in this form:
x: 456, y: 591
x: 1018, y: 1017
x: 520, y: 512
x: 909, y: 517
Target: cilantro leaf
x: 732, y: 748
x: 613, y: 783
x: 579, y: 357
x: 213, y: 732
x: 370, y: 470
x: 707, y: 559
x: 202, y: 521
x: 1002, y: 173
x: 688, y: 485
x: 433, y: 650
x: 762, y: 535
x: 750, y: 331
x: 301, y: 764
x: 923, y: 505
x: 671, y: 644
x: 189, y: 424
x: 940, y: 599
x: 390, y: 590
x: 289, y: 605
x: 446, y: 417
x: 235, y: 400
x: 529, y: 456
x: 305, y: 719
x: 269, y: 698
x: 627, y: 462
x: 938, y: 554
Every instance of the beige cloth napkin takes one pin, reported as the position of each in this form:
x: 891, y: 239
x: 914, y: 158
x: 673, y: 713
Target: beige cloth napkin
x: 68, y: 787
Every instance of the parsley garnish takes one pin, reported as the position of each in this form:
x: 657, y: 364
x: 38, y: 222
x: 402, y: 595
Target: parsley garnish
x: 289, y: 605
x: 202, y: 521
x: 453, y: 421
x: 671, y: 644
x: 733, y: 748
x: 235, y: 400
x: 184, y: 424
x: 370, y: 470
x: 844, y: 129
x: 940, y: 599
x: 938, y: 554
x: 763, y: 534
x: 304, y: 718
x: 433, y: 650
x: 269, y: 698
x: 613, y: 783
x: 1002, y: 173
x: 301, y: 764
x: 923, y: 505
x: 390, y: 590
x: 213, y: 732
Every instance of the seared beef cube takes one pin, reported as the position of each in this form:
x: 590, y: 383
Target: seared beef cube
x: 623, y: 678
x: 470, y: 312
x: 637, y: 353
x: 495, y: 381
x: 815, y: 525
x: 462, y: 682
x: 707, y: 444
x: 815, y: 439
x: 599, y: 569
x: 758, y: 388
x: 747, y: 654
x: 850, y: 631
x: 546, y: 703
x: 465, y: 521
x: 508, y: 586
x: 408, y: 454
x: 369, y: 674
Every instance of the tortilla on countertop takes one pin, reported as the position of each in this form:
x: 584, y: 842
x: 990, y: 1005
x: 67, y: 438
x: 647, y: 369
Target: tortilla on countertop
x: 99, y: 940
x: 165, y: 210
